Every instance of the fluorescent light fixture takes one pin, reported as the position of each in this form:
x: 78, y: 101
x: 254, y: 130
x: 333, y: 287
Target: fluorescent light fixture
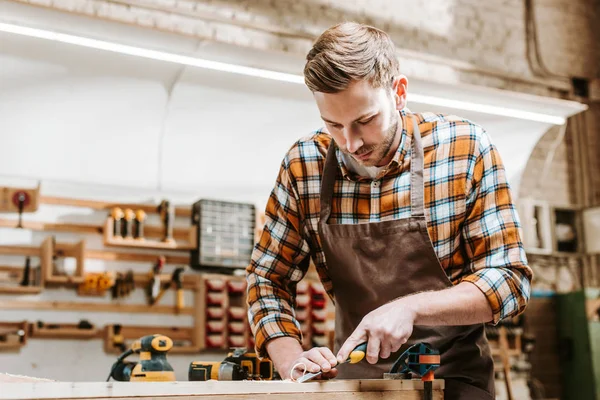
x: 261, y: 73
x: 486, y: 109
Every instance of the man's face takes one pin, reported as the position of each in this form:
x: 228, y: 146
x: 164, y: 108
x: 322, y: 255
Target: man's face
x: 363, y: 120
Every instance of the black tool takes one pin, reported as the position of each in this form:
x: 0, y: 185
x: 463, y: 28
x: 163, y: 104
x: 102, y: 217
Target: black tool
x: 167, y: 215
x: 26, y: 272
x: 21, y: 200
x: 127, y: 228
x: 140, y: 220
x: 117, y: 216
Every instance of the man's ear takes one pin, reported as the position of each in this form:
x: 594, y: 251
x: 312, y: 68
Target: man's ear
x: 399, y: 88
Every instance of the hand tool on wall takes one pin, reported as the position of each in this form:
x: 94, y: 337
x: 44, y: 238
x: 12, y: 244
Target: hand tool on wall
x: 153, y: 365
x: 26, y: 272
x: 420, y: 359
x: 239, y: 365
x: 117, y: 216
x: 21, y: 199
x: 140, y: 220
x: 128, y: 217
x: 167, y: 216
x: 154, y: 286
x: 14, y: 199
x: 177, y: 283
x: 355, y: 356
x: 123, y: 286
x: 96, y: 283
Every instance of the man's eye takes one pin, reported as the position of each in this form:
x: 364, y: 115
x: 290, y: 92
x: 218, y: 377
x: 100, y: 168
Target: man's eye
x: 336, y: 126
x: 366, y: 121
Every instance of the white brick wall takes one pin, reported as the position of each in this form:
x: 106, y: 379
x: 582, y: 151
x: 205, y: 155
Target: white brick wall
x: 489, y: 34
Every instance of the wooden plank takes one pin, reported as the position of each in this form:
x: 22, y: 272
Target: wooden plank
x: 334, y: 389
x: 53, y: 227
x: 107, y: 205
x: 11, y: 269
x: 64, y: 331
x: 149, y: 230
x: 8, y: 250
x: 108, y: 255
x: 20, y: 289
x: 91, y: 307
x: 46, y: 264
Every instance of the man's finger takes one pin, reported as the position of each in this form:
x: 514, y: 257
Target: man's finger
x: 316, y: 357
x: 373, y: 348
x: 299, y: 367
x: 357, y: 337
x: 386, y: 349
x: 330, y: 375
x: 328, y: 355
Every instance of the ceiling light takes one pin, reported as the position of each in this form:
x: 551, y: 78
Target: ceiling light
x: 261, y: 73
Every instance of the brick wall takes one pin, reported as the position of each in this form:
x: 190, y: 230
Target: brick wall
x: 485, y: 40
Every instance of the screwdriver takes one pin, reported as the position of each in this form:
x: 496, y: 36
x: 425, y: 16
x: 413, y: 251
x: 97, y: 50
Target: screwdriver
x: 354, y: 357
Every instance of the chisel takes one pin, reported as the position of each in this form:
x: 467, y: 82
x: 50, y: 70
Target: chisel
x: 354, y: 357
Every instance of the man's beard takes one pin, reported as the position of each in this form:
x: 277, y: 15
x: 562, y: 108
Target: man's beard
x: 381, y: 150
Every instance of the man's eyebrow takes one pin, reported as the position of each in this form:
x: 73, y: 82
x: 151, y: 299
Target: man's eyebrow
x: 370, y: 113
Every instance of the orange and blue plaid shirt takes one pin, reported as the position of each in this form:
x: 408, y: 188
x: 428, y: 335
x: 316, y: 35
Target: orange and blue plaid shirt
x: 471, y: 219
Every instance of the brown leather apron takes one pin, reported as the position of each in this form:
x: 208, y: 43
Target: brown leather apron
x: 371, y: 264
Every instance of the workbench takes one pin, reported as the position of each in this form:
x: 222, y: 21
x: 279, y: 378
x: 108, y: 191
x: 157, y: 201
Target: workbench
x: 219, y: 390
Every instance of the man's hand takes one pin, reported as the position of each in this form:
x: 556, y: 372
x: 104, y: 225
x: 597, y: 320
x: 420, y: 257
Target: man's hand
x: 285, y: 352
x: 386, y: 328
x: 316, y: 359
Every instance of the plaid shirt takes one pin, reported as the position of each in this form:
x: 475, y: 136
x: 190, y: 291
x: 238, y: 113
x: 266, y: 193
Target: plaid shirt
x: 471, y: 219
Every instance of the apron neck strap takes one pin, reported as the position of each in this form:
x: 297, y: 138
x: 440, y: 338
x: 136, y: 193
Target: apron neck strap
x: 330, y: 171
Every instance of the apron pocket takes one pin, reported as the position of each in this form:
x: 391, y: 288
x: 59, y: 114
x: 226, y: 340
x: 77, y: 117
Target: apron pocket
x: 457, y: 390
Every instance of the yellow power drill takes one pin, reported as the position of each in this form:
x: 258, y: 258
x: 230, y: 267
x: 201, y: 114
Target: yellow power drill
x: 153, y: 365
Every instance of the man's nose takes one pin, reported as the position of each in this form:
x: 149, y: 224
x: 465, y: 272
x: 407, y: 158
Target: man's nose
x: 353, y: 140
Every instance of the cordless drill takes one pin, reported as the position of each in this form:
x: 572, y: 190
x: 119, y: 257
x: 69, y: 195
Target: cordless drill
x: 153, y: 365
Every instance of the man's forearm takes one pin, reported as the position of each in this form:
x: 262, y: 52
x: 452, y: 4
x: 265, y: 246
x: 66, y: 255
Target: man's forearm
x: 463, y: 304
x: 283, y: 351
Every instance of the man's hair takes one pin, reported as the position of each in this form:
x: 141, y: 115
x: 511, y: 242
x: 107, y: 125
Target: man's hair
x: 350, y: 52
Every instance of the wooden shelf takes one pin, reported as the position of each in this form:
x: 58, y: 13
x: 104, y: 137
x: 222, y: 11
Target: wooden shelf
x: 20, y: 289
x: 149, y: 230
x: 64, y: 331
x: 64, y: 280
x: 106, y: 205
x: 92, y: 307
x: 109, y: 255
x: 111, y: 240
x: 13, y: 341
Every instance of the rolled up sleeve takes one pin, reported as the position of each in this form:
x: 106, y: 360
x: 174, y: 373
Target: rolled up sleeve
x: 497, y: 263
x: 279, y: 261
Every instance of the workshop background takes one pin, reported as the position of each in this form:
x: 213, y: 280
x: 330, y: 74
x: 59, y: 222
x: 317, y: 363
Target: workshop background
x: 96, y: 128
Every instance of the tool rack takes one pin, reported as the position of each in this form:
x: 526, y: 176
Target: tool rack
x: 218, y: 308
